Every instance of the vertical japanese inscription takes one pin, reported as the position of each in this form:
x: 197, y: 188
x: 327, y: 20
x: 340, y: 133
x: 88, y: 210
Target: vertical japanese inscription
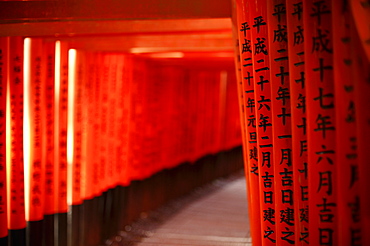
x: 15, y: 171
x: 296, y: 41
x: 263, y: 118
x: 36, y: 110
x: 320, y: 122
x: 249, y: 109
x: 61, y: 107
x: 4, y: 43
x: 281, y: 118
x: 350, y: 232
x: 48, y: 119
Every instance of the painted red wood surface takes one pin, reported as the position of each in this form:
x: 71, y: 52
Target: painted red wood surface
x: 298, y: 83
x: 87, y: 92
x: 281, y: 120
x: 321, y: 123
x: 263, y: 121
x: 349, y: 226
x: 249, y: 109
x: 34, y: 114
x: 49, y: 127
x: 126, y: 98
x: 104, y: 120
x: 111, y: 124
x: 100, y: 173
x: 61, y: 105
x: 4, y: 48
x: 75, y: 70
x: 15, y: 170
x: 361, y: 77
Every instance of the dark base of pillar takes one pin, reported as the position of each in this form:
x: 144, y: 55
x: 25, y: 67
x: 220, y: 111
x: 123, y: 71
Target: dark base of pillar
x: 4, y: 241
x: 17, y: 237
x: 61, y: 230
x: 34, y: 233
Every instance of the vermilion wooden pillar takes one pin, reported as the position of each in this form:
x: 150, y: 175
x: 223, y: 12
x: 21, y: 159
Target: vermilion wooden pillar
x: 298, y: 84
x: 321, y: 123
x: 60, y: 137
x: 263, y: 121
x: 48, y: 154
x: 246, y: 91
x: 281, y: 120
x: 4, y: 48
x: 360, y: 56
x: 348, y: 185
x: 34, y: 146
x: 15, y: 169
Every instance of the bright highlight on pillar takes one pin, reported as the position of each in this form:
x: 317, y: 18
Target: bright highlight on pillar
x: 72, y: 55
x: 57, y: 74
x: 26, y: 123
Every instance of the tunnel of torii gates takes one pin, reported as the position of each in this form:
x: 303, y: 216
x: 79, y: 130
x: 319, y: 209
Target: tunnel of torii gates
x: 110, y: 108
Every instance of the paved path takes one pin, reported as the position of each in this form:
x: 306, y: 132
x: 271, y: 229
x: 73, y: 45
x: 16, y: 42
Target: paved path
x: 216, y: 215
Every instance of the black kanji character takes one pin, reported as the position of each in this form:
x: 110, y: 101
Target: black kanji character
x: 324, y: 124
x: 280, y: 34
x: 269, y: 215
x: 279, y: 11
x: 301, y: 102
x: 298, y: 36
x: 258, y: 21
x: 283, y: 115
x: 246, y: 46
x: 283, y: 94
x: 287, y: 196
x: 260, y: 47
x: 303, y: 215
x: 319, y: 9
x: 264, y: 123
x: 326, y: 214
x: 298, y: 10
x: 288, y: 234
x: 263, y: 103
x: 325, y: 180
x: 287, y: 216
x: 267, y: 181
x: 262, y: 82
x: 325, y: 152
x: 245, y: 27
x: 286, y: 177
x: 321, y: 42
x: 282, y: 75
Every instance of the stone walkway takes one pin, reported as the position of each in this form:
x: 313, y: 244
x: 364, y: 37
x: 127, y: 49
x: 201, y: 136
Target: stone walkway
x: 215, y: 215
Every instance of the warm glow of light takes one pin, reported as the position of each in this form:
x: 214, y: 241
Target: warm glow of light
x: 223, y: 54
x: 223, y: 92
x: 72, y: 55
x: 56, y: 116
x: 223, y: 80
x: 8, y: 146
x: 26, y: 123
x: 140, y: 50
x: 57, y: 82
x: 168, y: 55
x: 223, y: 87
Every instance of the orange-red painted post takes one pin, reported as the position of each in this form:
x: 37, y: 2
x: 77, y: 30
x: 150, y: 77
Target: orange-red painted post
x: 349, y: 226
x: 281, y: 120
x: 294, y: 9
x: 248, y: 109
x: 263, y: 121
x: 4, y: 48
x: 321, y: 127
x: 14, y: 162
